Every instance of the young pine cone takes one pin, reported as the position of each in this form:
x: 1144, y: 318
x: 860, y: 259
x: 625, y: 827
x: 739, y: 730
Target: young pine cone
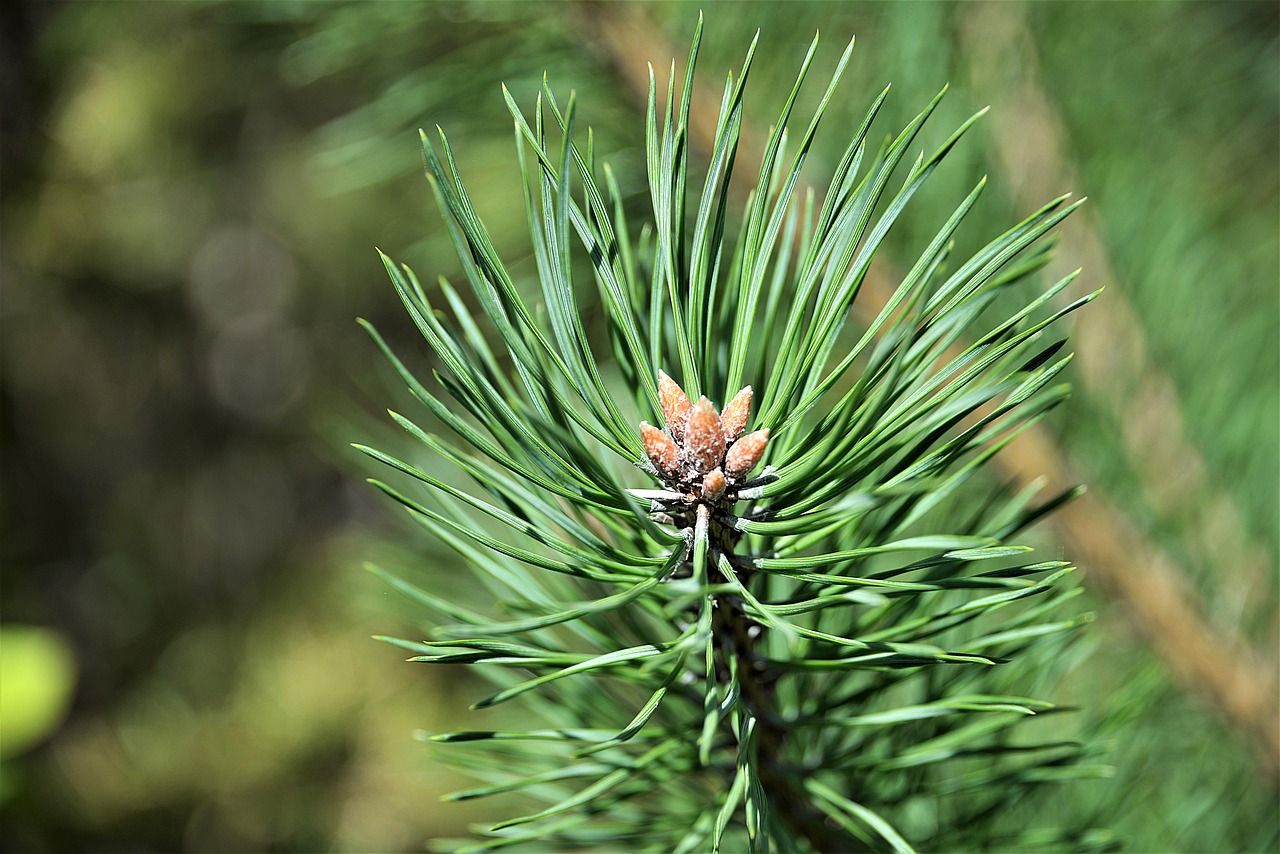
x: 702, y: 453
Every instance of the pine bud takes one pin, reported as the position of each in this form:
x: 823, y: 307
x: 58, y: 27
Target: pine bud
x: 704, y: 440
x: 713, y: 485
x: 745, y: 454
x: 663, y: 453
x: 675, y: 405
x: 734, y: 416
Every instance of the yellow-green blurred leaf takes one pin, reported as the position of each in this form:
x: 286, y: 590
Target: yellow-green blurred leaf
x: 37, y: 673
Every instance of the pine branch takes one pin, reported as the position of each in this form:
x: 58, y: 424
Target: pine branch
x: 1235, y: 680
x: 773, y: 623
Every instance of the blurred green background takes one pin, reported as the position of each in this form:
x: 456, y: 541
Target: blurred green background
x: 189, y: 200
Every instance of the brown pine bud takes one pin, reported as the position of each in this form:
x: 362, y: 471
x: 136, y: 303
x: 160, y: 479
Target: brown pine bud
x: 675, y: 405
x: 713, y: 485
x: 704, y: 440
x: 734, y: 416
x: 745, y: 454
x: 663, y: 453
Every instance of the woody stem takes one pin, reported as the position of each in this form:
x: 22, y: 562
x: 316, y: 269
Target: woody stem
x: 738, y: 634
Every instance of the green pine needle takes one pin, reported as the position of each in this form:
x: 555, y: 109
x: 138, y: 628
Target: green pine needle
x: 802, y: 654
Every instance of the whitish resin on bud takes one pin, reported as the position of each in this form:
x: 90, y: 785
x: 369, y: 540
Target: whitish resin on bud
x: 704, y: 439
x: 745, y: 454
x: 662, y: 451
x: 676, y: 407
x: 734, y: 416
x: 713, y: 485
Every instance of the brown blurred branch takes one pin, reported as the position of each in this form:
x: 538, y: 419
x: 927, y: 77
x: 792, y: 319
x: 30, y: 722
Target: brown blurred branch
x: 1116, y: 369
x: 1114, y: 362
x: 1120, y: 562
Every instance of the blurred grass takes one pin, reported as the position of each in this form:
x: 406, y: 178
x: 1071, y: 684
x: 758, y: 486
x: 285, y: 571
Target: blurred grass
x: 191, y: 194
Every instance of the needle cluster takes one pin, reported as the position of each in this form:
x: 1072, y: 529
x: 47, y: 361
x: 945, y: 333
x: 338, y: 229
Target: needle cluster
x: 833, y: 653
x: 702, y: 456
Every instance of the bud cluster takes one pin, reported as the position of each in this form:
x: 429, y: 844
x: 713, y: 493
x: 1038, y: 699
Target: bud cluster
x: 702, y: 454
